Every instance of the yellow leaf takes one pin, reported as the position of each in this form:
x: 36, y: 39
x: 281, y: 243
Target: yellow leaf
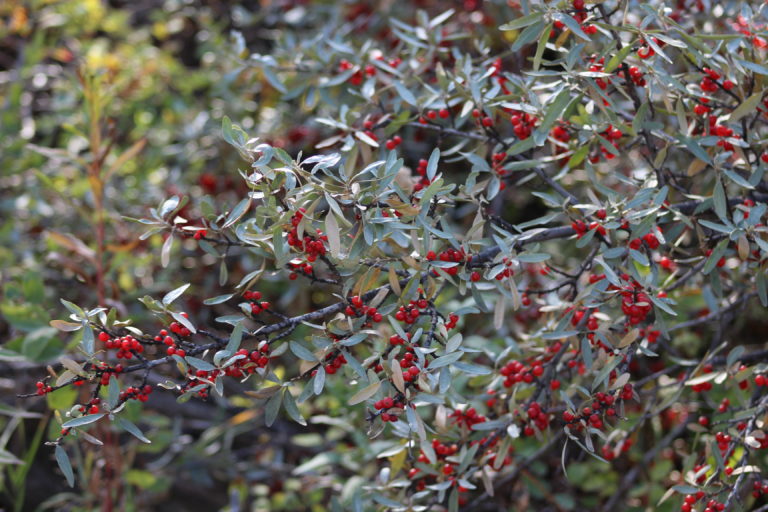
x: 397, y: 376
x: 365, y: 393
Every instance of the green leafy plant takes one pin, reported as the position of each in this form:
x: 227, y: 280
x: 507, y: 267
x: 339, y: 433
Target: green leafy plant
x: 517, y: 259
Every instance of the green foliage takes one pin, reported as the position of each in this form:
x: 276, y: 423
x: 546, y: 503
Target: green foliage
x: 404, y: 256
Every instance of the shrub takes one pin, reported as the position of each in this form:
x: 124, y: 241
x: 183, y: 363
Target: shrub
x: 522, y: 264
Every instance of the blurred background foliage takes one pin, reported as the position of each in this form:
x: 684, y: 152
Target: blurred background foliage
x: 150, y: 80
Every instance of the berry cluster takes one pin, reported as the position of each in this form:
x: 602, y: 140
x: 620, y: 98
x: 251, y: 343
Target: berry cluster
x: 523, y: 124
x: 179, y: 329
x: 597, y: 67
x: 515, y: 371
x: 407, y: 363
x: 389, y: 408
x: 136, y: 393
x: 652, y: 335
x: 410, y: 313
x: 537, y: 417
x: 443, y: 113
x: 173, y: 348
x: 612, y: 135
x: 42, y: 388
x: 91, y: 407
x: 621, y: 447
x: 468, y: 418
x: 635, y: 75
x: 357, y: 77
x: 126, y: 346
x: 561, y: 134
x: 422, y: 171
x: 759, y: 488
x: 650, y: 240
x: 482, y: 119
x: 333, y: 362
x: 396, y: 339
x: 581, y: 228
x: 448, y: 256
x: 603, y: 403
x: 646, y: 51
x: 723, y: 132
x: 635, y: 305
x: 579, y: 15
x: 256, y: 306
x: 394, y: 142
x: 441, y: 451
x: 313, y: 247
x: 357, y: 309
x: 508, y: 270
x: 104, y: 371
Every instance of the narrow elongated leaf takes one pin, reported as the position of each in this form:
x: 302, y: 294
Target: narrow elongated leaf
x: 434, y: 158
x: 272, y: 408
x: 365, y: 393
x: 572, y: 24
x: 165, y: 252
x: 397, y: 376
x: 132, y: 429
x: 73, y: 308
x: 218, y: 299
x: 65, y: 326
x: 719, y: 201
x: 332, y: 231
x: 405, y: 93
x: 301, y: 351
x: 175, y: 294
x: 522, y: 22
x: 235, y: 338
x: 746, y: 107
x: 239, y: 210
x: 83, y: 420
x: 62, y: 459
x: 113, y: 392
x: 184, y: 321
x: 88, y: 339
x: 292, y: 409
x: 200, y: 364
